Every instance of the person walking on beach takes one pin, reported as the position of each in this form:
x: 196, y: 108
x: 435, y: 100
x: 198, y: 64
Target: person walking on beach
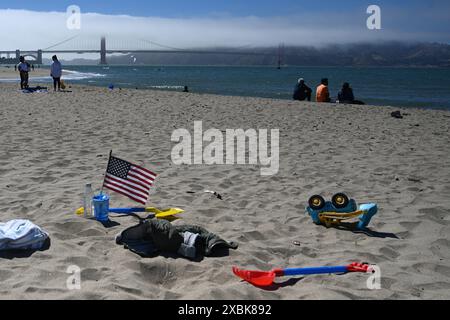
x: 346, y: 95
x: 302, y: 91
x: 56, y: 72
x: 24, y: 68
x: 322, y: 93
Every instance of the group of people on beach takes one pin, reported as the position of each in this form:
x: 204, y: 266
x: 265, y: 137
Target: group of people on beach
x: 302, y: 92
x: 24, y: 69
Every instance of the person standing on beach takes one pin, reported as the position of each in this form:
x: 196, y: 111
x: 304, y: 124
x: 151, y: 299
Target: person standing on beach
x: 302, y: 91
x: 322, y: 93
x: 56, y: 72
x: 24, y: 68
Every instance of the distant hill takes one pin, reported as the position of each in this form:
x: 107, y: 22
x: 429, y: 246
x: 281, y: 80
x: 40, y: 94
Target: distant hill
x: 363, y: 54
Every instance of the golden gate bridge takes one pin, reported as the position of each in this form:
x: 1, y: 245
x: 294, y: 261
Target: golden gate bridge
x: 139, y: 46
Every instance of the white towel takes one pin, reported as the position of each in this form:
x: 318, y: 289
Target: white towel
x: 21, y: 235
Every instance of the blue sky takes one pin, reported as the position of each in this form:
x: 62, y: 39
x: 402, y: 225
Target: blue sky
x: 197, y: 23
x: 198, y: 8
x: 185, y: 8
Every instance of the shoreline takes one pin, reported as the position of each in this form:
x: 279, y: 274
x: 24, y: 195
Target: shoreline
x: 102, y: 78
x: 71, y: 84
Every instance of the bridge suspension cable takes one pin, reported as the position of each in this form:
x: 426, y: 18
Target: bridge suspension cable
x: 161, y: 45
x: 60, y: 43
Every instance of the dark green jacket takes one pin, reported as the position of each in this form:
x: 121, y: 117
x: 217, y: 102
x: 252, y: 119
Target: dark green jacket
x: 153, y: 236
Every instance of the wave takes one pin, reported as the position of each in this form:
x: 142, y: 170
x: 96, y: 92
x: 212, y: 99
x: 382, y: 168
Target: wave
x: 167, y: 87
x: 67, y: 75
x: 77, y: 75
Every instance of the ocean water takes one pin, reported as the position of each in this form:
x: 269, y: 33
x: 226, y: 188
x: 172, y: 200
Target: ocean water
x: 409, y: 87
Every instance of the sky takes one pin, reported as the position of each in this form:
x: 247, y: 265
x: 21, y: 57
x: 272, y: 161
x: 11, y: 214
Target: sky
x: 183, y: 24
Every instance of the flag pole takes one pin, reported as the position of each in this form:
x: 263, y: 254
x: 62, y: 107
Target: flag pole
x: 107, y: 166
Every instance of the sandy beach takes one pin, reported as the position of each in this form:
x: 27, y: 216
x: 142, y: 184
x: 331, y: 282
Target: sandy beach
x: 52, y: 144
x: 10, y: 73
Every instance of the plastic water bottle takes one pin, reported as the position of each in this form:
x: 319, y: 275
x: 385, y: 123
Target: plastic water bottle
x: 88, y: 195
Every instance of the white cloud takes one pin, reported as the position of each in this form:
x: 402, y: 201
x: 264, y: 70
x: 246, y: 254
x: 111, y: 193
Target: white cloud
x: 33, y: 30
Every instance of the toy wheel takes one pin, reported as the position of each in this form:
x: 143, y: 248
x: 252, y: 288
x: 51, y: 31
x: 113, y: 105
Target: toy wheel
x: 316, y: 202
x: 340, y: 200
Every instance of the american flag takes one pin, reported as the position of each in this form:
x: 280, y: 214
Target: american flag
x: 128, y: 179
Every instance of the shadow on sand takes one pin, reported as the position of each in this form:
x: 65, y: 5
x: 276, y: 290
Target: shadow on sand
x: 352, y: 227
x: 22, y: 254
x: 276, y: 286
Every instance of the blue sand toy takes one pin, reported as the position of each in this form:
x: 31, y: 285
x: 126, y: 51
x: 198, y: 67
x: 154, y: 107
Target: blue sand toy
x: 339, y: 209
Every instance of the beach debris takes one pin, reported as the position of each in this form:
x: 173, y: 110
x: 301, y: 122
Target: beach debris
x: 20, y: 234
x: 339, y: 209
x: 166, y: 214
x: 214, y: 193
x: 37, y: 89
x: 217, y: 195
x: 266, y: 278
x: 152, y: 237
x: 397, y: 114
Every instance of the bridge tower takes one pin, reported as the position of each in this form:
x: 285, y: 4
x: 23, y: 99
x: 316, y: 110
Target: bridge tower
x: 103, y: 51
x: 39, y: 57
x: 17, y: 54
x: 280, y: 55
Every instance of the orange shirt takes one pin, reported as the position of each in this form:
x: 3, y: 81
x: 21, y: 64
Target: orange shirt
x: 322, y: 94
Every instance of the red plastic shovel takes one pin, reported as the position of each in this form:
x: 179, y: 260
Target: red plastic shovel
x: 266, y: 278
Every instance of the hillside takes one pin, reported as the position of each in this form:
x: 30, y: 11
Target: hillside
x: 363, y: 54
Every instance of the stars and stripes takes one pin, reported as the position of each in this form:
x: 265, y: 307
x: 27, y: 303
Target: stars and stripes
x: 129, y: 179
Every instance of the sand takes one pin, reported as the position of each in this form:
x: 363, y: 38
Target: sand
x: 52, y: 144
x: 10, y: 73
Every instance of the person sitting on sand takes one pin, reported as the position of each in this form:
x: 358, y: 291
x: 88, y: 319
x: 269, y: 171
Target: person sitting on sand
x: 24, y: 68
x: 322, y: 93
x: 56, y: 72
x: 302, y: 91
x: 346, y: 95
